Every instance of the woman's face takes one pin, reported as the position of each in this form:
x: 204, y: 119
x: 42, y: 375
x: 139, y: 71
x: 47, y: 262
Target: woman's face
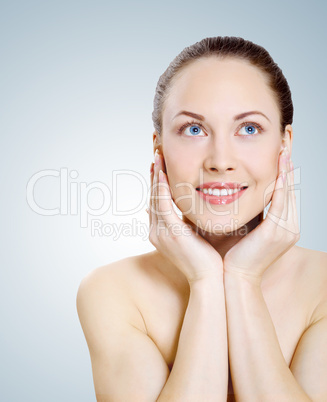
x: 233, y: 148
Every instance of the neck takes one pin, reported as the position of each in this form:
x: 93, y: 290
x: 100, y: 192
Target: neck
x: 222, y: 242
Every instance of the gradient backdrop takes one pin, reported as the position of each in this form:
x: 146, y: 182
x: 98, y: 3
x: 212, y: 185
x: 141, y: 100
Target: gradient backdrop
x: 77, y: 85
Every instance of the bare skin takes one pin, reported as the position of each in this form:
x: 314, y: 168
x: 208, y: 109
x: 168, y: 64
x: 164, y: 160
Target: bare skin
x: 156, y: 297
x: 159, y: 321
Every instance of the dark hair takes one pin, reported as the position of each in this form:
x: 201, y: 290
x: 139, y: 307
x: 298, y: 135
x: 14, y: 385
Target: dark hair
x: 226, y: 46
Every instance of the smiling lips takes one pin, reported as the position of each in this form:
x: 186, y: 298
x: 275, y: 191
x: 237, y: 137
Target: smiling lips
x: 221, y: 193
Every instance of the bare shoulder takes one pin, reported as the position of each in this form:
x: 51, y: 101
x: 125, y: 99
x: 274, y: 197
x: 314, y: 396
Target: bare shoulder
x: 109, y: 290
x: 314, y: 278
x: 116, y: 333
x: 314, y: 263
x: 318, y: 256
x: 309, y: 362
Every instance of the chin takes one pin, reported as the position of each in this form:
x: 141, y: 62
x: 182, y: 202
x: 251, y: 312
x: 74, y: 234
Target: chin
x: 224, y: 225
x: 237, y: 218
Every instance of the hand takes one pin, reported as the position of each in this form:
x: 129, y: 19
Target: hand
x: 252, y: 255
x: 175, y: 239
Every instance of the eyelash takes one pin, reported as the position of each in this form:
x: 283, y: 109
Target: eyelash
x: 247, y: 123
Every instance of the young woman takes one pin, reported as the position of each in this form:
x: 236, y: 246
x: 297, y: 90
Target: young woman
x: 227, y: 307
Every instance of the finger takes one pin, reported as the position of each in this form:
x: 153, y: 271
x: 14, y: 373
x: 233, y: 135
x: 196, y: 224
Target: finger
x: 151, y: 184
x: 290, y: 221
x: 158, y: 165
x: 154, y: 224
x: 286, y: 169
x: 291, y: 193
x: 292, y: 186
x: 165, y: 211
x: 150, y: 209
x: 279, y: 195
x: 175, y: 225
x: 293, y: 190
x: 154, y: 187
x: 151, y: 177
x: 293, y: 200
x: 165, y: 208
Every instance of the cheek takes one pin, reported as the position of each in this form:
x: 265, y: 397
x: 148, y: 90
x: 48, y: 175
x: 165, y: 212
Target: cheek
x: 176, y: 169
x: 179, y: 163
x: 263, y: 163
x: 264, y: 171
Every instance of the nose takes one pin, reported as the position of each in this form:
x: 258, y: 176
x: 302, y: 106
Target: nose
x: 221, y: 156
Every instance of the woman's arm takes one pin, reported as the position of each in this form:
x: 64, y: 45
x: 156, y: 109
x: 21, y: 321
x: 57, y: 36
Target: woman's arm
x: 258, y: 368
x: 200, y: 371
x: 126, y: 363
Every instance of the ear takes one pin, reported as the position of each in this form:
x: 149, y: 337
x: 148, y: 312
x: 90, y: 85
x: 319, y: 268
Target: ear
x: 156, y: 142
x: 288, y: 138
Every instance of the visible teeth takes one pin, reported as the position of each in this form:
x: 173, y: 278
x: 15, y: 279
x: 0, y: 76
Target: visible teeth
x: 219, y: 192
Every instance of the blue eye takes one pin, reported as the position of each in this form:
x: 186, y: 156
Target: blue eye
x: 194, y: 130
x: 250, y: 129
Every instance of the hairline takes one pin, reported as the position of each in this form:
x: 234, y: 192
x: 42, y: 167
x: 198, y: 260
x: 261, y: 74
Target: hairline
x: 179, y: 72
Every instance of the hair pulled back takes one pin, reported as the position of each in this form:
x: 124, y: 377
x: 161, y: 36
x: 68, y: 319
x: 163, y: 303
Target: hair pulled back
x: 222, y: 47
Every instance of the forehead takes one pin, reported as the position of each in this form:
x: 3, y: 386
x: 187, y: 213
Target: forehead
x: 220, y: 86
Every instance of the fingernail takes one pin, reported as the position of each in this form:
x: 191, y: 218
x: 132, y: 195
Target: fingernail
x: 160, y: 175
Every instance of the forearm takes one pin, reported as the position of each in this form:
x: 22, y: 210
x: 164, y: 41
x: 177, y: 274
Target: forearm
x: 200, y: 370
x: 258, y: 368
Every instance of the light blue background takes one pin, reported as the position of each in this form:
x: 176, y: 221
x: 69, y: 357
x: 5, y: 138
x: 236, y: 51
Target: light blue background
x: 77, y: 85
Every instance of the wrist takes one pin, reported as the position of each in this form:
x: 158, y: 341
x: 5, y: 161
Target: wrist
x: 241, y: 278
x: 207, y: 280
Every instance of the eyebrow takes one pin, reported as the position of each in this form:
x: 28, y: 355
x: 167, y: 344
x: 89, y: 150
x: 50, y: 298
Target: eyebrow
x: 237, y: 117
